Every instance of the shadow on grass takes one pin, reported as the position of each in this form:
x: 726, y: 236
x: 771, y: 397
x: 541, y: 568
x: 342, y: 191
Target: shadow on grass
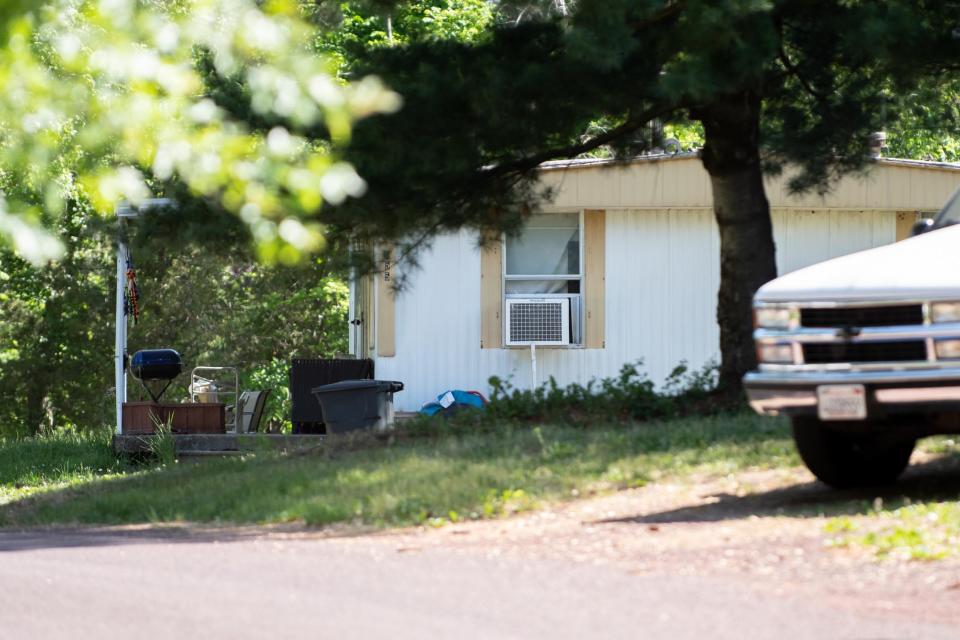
x: 931, y: 481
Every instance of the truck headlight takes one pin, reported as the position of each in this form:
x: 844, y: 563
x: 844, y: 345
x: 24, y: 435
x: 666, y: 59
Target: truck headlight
x: 947, y: 349
x: 775, y: 353
x: 772, y: 318
x: 945, y: 312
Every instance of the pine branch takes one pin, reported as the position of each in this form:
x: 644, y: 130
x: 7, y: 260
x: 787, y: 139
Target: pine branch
x: 669, y: 11
x: 528, y: 163
x: 795, y: 72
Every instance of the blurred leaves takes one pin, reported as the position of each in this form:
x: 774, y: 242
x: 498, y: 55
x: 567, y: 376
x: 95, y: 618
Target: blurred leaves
x: 96, y: 94
x: 927, y: 126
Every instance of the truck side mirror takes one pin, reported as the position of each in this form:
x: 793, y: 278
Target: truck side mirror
x: 921, y: 226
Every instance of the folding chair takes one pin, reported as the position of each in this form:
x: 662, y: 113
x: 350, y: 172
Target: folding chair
x: 250, y: 410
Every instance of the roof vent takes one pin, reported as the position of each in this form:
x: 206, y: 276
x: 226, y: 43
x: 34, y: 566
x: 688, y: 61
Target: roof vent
x: 877, y: 143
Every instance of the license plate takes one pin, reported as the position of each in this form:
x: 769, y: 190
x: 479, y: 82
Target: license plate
x: 842, y: 402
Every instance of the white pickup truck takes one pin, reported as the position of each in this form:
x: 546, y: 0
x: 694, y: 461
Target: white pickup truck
x: 863, y: 353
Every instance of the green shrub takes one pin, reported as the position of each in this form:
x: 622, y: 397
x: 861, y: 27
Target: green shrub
x: 162, y: 446
x: 275, y: 376
x: 629, y: 396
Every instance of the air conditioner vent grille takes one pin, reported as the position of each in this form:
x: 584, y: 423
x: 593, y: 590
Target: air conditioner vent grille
x: 538, y: 322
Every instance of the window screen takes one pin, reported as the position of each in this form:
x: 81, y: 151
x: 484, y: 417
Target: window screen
x: 537, y: 322
x: 548, y: 246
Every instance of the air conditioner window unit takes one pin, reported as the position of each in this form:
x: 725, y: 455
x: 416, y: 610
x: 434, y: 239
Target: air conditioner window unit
x: 537, y: 321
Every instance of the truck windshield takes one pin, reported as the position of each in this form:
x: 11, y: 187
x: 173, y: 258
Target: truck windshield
x: 950, y: 214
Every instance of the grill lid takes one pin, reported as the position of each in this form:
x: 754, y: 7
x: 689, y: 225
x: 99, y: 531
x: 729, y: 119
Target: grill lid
x: 156, y: 364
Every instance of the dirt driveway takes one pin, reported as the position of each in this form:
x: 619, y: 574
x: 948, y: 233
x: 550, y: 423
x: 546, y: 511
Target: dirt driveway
x: 762, y: 527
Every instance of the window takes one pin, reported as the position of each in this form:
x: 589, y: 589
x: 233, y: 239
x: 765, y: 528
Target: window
x: 545, y: 261
x: 545, y: 258
x: 581, y: 283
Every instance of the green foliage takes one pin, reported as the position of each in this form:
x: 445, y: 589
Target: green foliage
x: 56, y: 334
x: 690, y: 135
x: 231, y: 311
x: 480, y: 114
x: 353, y: 27
x: 94, y: 95
x: 275, y: 376
x: 927, y: 124
x: 234, y: 311
x: 924, y: 531
x: 65, y: 458
x: 162, y: 446
x: 216, y: 305
x: 460, y: 20
x: 629, y: 396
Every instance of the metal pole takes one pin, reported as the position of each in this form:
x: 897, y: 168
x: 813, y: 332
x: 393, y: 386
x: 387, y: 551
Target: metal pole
x: 125, y: 210
x: 533, y: 365
x: 121, y: 333
x: 352, y: 315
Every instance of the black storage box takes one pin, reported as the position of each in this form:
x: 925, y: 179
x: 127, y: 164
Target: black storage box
x: 308, y: 373
x: 357, y: 404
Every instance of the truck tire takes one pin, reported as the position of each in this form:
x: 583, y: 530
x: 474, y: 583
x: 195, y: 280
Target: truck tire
x: 846, y: 460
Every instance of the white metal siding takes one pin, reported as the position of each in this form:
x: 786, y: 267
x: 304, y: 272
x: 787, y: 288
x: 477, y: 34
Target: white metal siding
x: 662, y: 274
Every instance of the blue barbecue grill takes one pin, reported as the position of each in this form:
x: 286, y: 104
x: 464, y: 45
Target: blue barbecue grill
x: 156, y: 366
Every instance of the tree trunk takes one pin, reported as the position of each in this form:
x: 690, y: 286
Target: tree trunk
x: 731, y: 155
x: 34, y: 413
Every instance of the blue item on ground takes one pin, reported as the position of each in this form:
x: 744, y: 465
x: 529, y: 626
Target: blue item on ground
x: 452, y: 401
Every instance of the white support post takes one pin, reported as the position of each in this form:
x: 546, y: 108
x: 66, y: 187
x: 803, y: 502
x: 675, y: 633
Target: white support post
x: 120, y: 374
x: 533, y: 365
x: 352, y: 315
x: 124, y: 211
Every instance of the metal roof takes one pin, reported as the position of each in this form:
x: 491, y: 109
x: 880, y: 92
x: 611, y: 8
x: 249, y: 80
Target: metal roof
x: 576, y: 163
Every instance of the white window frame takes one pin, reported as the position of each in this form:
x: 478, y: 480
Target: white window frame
x: 576, y: 299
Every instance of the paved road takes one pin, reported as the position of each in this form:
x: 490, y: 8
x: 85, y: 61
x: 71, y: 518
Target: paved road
x: 147, y: 585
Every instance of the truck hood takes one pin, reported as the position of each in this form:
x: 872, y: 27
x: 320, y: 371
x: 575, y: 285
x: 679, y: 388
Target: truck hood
x: 923, y: 267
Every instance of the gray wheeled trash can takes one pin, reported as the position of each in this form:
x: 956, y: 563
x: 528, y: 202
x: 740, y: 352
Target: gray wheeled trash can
x: 350, y: 405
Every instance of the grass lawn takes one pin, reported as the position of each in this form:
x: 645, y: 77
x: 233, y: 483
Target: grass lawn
x: 76, y: 479
x: 924, y: 531
x: 925, y: 526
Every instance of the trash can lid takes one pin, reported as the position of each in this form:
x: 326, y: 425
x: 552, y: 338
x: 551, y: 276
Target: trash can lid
x: 390, y: 386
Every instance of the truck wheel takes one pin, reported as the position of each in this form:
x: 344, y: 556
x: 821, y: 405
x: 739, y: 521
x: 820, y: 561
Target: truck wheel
x: 845, y: 460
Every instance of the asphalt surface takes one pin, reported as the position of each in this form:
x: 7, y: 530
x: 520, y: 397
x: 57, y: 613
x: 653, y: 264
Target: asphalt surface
x: 145, y: 584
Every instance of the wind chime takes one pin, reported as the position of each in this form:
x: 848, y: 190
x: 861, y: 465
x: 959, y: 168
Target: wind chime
x: 131, y: 293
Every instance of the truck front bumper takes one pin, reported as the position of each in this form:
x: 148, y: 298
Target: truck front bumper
x: 903, y: 391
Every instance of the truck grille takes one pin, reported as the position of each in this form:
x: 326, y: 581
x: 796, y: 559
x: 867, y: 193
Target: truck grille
x: 889, y: 316
x: 853, y: 352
